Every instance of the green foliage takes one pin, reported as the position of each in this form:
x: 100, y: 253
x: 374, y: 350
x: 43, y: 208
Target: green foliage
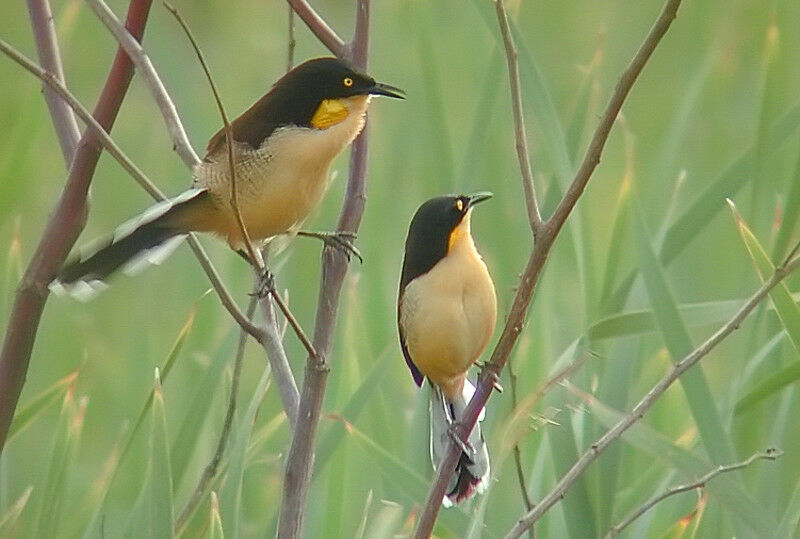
x: 647, y: 267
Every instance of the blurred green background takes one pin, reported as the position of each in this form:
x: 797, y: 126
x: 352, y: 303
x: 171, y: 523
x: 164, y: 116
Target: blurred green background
x: 715, y: 114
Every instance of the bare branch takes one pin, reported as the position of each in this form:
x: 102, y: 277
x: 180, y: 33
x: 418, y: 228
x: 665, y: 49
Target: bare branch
x: 49, y: 57
x: 526, y: 499
x: 544, y: 242
x: 769, y: 454
x: 279, y: 363
x: 275, y: 353
x: 146, y: 70
x: 629, y: 76
x: 319, y: 27
x: 300, y: 461
x: 638, y: 411
x: 291, y: 42
x: 66, y: 222
x: 211, y: 468
x: 534, y: 217
x: 115, y: 151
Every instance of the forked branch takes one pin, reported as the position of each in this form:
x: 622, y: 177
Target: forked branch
x: 544, y: 241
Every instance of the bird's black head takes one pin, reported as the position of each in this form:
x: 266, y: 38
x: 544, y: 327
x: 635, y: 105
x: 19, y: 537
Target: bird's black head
x: 313, y: 94
x: 331, y: 78
x: 313, y: 91
x: 432, y: 230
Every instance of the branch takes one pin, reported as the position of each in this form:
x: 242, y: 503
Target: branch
x: 534, y: 217
x: 319, y: 27
x: 544, y: 242
x: 629, y: 76
x: 47, y: 46
x: 300, y: 461
x: 638, y: 411
x: 116, y: 152
x: 146, y: 70
x: 770, y: 454
x: 211, y: 468
x: 276, y: 355
x: 62, y: 229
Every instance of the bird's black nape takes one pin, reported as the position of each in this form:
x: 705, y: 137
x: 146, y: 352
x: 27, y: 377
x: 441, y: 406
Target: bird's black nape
x: 430, y: 230
x: 296, y: 96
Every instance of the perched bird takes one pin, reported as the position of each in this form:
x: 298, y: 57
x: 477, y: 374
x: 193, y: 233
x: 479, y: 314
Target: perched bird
x: 446, y: 313
x: 283, y: 149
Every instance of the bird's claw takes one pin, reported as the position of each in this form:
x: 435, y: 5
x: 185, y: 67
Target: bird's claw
x: 465, y: 446
x: 266, y: 284
x: 342, y: 240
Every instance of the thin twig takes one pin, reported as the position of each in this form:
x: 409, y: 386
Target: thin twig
x: 526, y: 499
x: 269, y: 339
x: 211, y: 468
x: 534, y: 217
x: 638, y: 411
x: 291, y: 41
x: 769, y: 454
x: 252, y: 253
x: 300, y: 461
x: 530, y: 277
x: 65, y: 223
x: 115, y: 151
x: 146, y: 70
x: 319, y: 27
x: 64, y: 121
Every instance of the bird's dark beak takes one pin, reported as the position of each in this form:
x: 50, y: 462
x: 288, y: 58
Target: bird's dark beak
x: 478, y: 197
x: 384, y: 89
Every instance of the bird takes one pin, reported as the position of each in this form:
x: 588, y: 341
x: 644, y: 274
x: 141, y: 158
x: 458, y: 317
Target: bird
x: 446, y: 314
x: 283, y: 147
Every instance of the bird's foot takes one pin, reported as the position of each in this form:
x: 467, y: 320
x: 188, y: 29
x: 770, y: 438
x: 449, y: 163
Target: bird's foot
x: 342, y: 240
x: 266, y: 284
x: 465, y: 446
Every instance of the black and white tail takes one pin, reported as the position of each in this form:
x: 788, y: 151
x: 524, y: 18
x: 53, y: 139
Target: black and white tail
x: 472, y: 471
x: 146, y: 239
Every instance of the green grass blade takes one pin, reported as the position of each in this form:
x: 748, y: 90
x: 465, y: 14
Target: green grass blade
x: 161, y: 502
x: 26, y: 415
x: 578, y: 123
x: 65, y: 448
x: 231, y: 496
x: 791, y: 211
x: 189, y: 431
x: 537, y: 92
x: 618, y: 238
x: 352, y: 410
x: 788, y: 527
x: 577, y: 504
x: 725, y: 488
x: 387, y: 522
x: 678, y: 343
x: 405, y: 482
x: 771, y: 385
x: 215, y: 526
x: 697, y: 216
x: 9, y: 518
x: 95, y: 522
x: 785, y: 306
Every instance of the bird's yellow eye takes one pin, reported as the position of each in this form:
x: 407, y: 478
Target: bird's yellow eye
x: 460, y: 205
x: 347, y: 82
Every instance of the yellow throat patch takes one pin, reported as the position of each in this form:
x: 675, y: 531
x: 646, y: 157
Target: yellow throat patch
x: 460, y: 233
x: 329, y: 113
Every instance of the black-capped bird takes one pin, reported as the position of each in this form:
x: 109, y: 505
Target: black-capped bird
x: 283, y: 149
x: 446, y: 313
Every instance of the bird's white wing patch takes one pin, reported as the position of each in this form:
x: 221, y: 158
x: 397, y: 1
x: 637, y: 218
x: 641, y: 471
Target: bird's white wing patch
x: 152, y: 257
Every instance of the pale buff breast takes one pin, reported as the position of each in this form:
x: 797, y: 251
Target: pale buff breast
x: 448, y: 316
x: 283, y: 181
